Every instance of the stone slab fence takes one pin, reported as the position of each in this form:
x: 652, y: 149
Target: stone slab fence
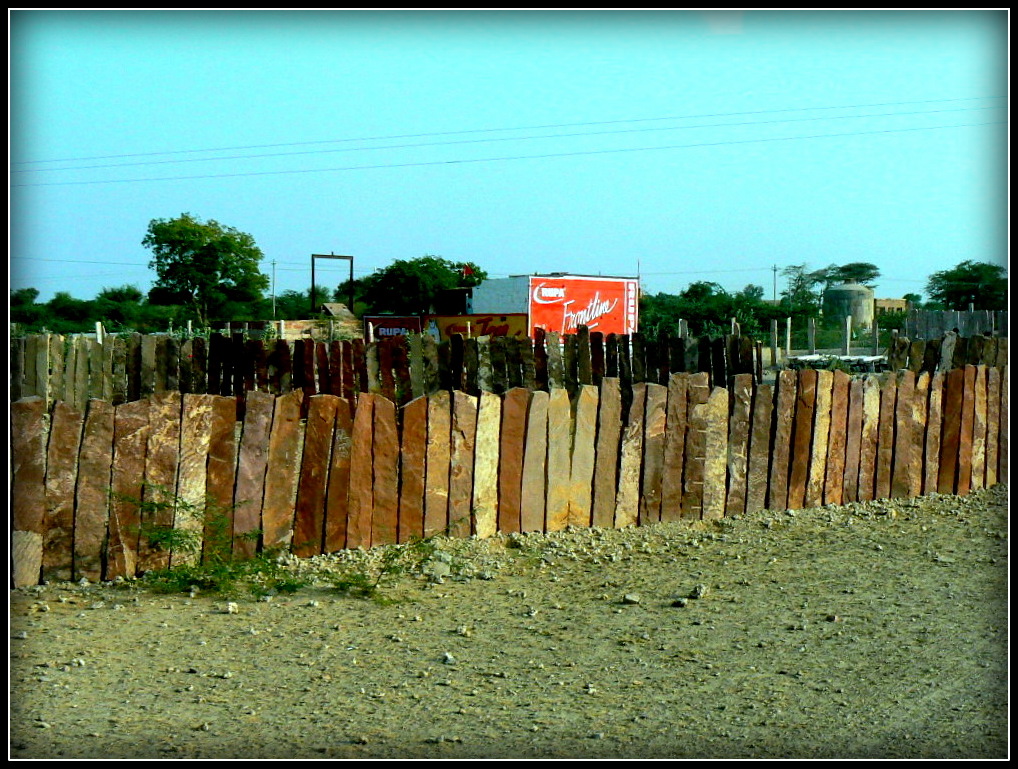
x: 365, y: 471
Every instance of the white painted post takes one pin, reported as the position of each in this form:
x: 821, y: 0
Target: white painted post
x: 848, y: 335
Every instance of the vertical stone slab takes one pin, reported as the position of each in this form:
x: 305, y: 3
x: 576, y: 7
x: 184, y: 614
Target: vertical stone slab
x: 28, y: 488
x: 95, y: 372
x: 903, y: 454
x: 784, y: 423
x: 511, y: 450
x: 805, y: 412
x: 947, y: 345
x: 931, y: 439
x: 870, y: 432
x: 414, y: 443
x: 655, y: 420
x: 436, y: 493
x: 759, y: 448
x: 714, y: 414
x: 118, y: 370
x: 697, y: 393
x: 486, y: 460
x: 606, y: 461
x: 1002, y: 447
x: 920, y: 408
x: 627, y: 502
x: 40, y: 365
x: 282, y: 472
x: 979, y: 430
x: 532, y: 499
x: 252, y: 463
x: 950, y: 439
x: 385, y: 507
x: 162, y: 458
x: 130, y: 438
x: 885, y: 436
x: 309, y: 518
x: 675, y: 448
x: 92, y: 497
x: 738, y: 443
x: 583, y: 457
x: 461, y: 464
x: 192, y: 475
x: 61, y: 473
x: 55, y: 385
x: 147, y: 369
x: 337, y: 495
x: 834, y: 479
x: 993, y: 425
x: 82, y: 355
x: 417, y: 384
x: 221, y: 476
x: 559, y: 465
x: 821, y: 439
x: 965, y: 437
x: 361, y: 496
x: 853, y: 442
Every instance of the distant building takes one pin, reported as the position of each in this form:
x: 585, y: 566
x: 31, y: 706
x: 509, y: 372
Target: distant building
x: 884, y: 306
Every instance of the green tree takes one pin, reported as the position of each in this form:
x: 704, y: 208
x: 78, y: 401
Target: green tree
x: 979, y: 283
x: 854, y: 272
x: 804, y: 290
x: 411, y: 287
x: 204, y: 265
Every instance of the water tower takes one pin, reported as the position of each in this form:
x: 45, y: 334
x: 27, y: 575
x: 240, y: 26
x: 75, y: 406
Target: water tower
x: 849, y: 298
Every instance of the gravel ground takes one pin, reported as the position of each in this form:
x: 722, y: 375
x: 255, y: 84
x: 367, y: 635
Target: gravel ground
x: 873, y: 630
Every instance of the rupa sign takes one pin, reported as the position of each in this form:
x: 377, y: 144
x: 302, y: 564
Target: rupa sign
x: 563, y: 303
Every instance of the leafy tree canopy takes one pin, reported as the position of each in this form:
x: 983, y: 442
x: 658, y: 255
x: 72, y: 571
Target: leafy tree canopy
x: 205, y: 265
x: 411, y: 287
x: 979, y: 283
x: 855, y: 272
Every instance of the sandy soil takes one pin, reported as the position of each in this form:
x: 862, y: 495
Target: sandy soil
x: 864, y: 631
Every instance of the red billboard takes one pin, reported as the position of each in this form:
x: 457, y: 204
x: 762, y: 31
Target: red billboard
x: 510, y: 324
x: 561, y: 304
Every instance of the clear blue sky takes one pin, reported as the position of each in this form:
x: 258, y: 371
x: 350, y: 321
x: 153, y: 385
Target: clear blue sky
x: 684, y: 145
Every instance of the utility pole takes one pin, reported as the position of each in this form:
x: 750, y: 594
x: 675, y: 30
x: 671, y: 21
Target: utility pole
x: 775, y: 269
x: 273, y: 289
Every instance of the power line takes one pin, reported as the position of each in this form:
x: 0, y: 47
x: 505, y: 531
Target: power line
x: 518, y: 128
x: 491, y: 140
x: 504, y: 158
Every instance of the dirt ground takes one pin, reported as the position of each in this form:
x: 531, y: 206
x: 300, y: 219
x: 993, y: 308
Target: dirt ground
x: 864, y: 631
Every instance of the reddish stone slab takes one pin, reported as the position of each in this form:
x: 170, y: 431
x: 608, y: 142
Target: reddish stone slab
x: 834, y: 481
x: 92, y: 502
x: 965, y: 436
x: 361, y: 495
x: 337, y: 497
x: 979, y: 429
x: 950, y: 440
x: 511, y: 451
x: 784, y: 423
x: 533, y: 494
x: 869, y: 440
x: 738, y: 443
x: 130, y: 438
x: 697, y: 394
x: 385, y: 507
x: 436, y: 492
x: 655, y: 420
x: 675, y: 448
x: 759, y: 448
x: 993, y: 425
x: 609, y: 437
x: 414, y: 441
x: 805, y: 408
x: 853, y: 441
x: 1002, y: 447
x: 252, y: 463
x: 282, y: 472
x: 309, y: 518
x: 920, y: 412
x: 66, y: 423
x: 885, y: 436
x: 28, y: 488
x: 461, y: 464
x: 904, y: 436
x: 221, y: 479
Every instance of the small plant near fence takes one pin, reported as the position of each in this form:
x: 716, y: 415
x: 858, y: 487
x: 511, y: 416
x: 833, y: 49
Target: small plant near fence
x: 210, y: 564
